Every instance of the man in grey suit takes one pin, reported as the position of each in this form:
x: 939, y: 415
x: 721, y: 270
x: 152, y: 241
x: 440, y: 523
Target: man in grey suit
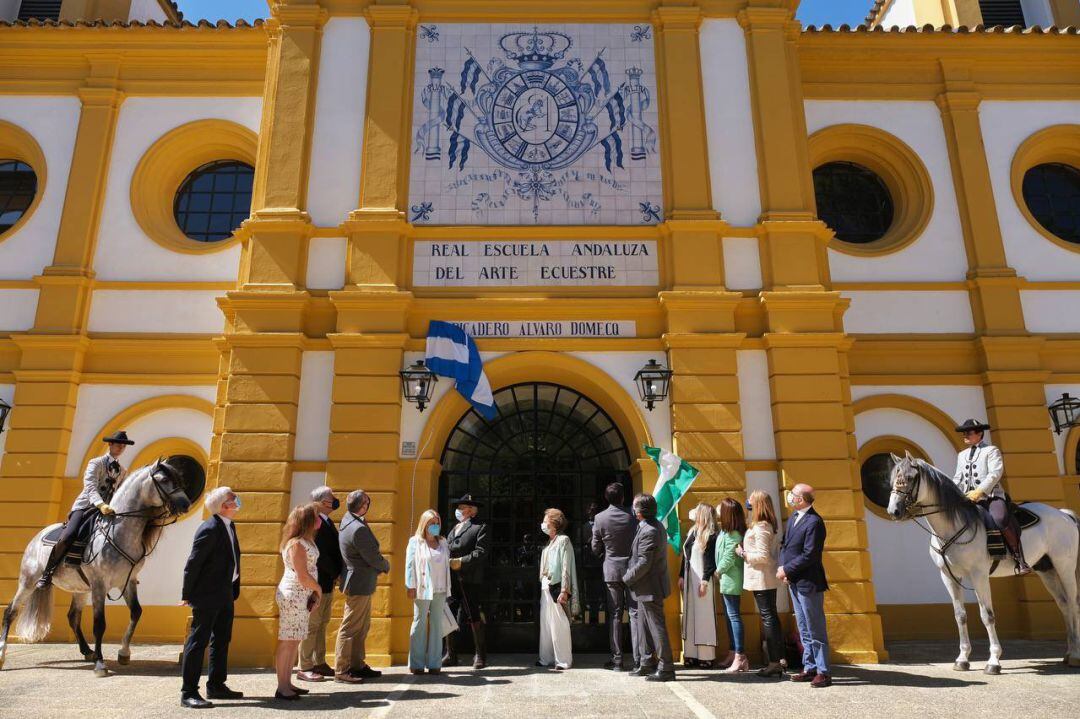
x: 612, y: 534
x: 647, y: 578
x: 363, y: 565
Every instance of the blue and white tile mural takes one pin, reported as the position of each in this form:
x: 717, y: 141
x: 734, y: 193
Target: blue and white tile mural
x: 545, y: 125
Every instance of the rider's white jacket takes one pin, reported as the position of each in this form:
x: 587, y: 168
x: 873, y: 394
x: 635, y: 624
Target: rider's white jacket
x: 99, y: 482
x: 981, y: 469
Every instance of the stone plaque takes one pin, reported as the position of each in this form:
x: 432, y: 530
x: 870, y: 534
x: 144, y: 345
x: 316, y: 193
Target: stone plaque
x: 549, y: 328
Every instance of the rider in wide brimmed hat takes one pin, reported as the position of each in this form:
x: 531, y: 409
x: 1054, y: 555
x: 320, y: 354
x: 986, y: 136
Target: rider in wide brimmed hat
x: 103, y: 475
x: 979, y: 469
x: 469, y: 545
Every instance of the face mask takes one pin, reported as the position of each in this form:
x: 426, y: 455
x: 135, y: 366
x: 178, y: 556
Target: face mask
x: 335, y: 504
x: 693, y: 514
x: 749, y: 507
x: 545, y: 528
x: 236, y: 500
x: 433, y: 530
x: 459, y: 515
x: 790, y: 499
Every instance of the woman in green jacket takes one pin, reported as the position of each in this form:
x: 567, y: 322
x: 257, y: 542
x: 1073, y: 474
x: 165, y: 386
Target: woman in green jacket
x: 729, y: 567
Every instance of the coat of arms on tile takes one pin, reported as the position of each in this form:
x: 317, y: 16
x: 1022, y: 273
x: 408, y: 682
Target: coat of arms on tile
x: 535, y: 125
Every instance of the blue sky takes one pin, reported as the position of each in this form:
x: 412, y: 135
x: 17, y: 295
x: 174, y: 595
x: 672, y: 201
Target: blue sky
x: 812, y: 12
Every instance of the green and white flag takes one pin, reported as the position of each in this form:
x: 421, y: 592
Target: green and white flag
x: 674, y: 481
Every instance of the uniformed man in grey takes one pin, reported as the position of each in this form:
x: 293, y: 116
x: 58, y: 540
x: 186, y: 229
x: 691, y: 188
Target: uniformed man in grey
x: 612, y: 534
x: 647, y: 577
x: 103, y: 475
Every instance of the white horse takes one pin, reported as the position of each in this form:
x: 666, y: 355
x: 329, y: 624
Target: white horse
x: 958, y: 548
x: 145, y: 502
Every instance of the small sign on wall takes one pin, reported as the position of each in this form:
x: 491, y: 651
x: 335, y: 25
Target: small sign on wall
x: 571, y: 263
x: 408, y: 450
x: 549, y: 328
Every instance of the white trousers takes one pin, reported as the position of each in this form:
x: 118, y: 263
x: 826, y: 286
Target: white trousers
x: 555, y: 645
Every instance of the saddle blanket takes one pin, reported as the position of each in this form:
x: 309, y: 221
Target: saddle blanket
x: 78, y: 547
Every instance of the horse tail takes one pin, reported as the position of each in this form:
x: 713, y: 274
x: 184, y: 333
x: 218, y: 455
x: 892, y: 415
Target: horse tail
x: 36, y: 617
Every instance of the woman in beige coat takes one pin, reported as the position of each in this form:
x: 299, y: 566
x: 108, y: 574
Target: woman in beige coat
x: 759, y: 550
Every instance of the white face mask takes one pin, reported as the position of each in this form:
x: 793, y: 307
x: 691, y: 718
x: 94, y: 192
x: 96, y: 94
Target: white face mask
x: 545, y: 528
x: 693, y: 514
x: 459, y: 515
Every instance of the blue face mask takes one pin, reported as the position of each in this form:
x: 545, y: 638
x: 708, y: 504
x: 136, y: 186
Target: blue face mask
x: 236, y: 500
x: 459, y: 515
x: 336, y: 503
x: 433, y: 530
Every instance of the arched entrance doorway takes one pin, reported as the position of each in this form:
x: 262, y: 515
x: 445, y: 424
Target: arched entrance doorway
x: 549, y: 446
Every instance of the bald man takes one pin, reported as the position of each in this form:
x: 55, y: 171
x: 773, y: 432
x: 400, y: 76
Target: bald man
x: 801, y: 569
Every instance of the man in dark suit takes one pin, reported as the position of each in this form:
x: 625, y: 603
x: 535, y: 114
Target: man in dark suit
x: 612, y: 535
x: 363, y: 565
x: 647, y: 577
x: 211, y: 586
x: 801, y: 569
x: 469, y: 549
x: 313, y: 666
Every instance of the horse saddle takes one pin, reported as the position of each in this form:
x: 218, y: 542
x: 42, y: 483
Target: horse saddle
x: 78, y: 545
x: 995, y: 543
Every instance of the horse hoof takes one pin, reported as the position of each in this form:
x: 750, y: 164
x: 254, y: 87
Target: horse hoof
x: 961, y: 667
x: 101, y: 673
x: 124, y: 659
x: 1071, y: 661
x: 993, y: 669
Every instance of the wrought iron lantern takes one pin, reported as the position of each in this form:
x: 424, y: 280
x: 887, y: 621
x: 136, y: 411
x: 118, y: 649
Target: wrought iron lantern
x: 652, y: 382
x: 5, y: 410
x: 418, y: 384
x: 1065, y: 413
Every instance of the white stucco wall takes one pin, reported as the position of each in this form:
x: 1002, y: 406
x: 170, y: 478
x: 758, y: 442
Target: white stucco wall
x: 1005, y: 126
x: 729, y: 122
x: 124, y: 252
x: 334, y: 176
x: 1037, y: 13
x: 326, y: 263
x: 171, y: 311
x: 878, y: 312
x: 938, y: 254
x: 901, y: 12
x: 755, y: 405
x: 9, y: 9
x: 960, y: 402
x: 313, y: 410
x: 17, y: 309
x: 1051, y: 310
x: 302, y: 485
x: 742, y: 263
x: 52, y: 122
x: 145, y: 10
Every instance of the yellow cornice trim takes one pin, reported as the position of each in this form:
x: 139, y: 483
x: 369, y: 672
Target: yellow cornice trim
x: 164, y: 285
x: 302, y: 466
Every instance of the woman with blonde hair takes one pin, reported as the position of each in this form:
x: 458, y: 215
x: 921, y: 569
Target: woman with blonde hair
x: 297, y: 594
x: 559, y: 595
x: 695, y: 580
x: 427, y: 581
x: 759, y: 550
x: 729, y: 565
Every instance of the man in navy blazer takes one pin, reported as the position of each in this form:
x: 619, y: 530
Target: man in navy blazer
x: 802, y: 570
x: 211, y: 586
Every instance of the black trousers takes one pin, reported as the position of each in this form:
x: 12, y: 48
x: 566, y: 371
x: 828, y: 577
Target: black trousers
x: 774, y: 640
x: 75, y: 521
x: 464, y: 602
x: 209, y: 625
x: 618, y: 600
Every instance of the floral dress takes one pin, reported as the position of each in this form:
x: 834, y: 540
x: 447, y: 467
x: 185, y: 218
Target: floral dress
x: 292, y: 597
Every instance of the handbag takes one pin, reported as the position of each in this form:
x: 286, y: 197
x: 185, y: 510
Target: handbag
x: 449, y: 621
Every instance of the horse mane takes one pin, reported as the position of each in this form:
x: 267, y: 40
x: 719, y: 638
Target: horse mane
x: 126, y: 487
x: 953, y: 503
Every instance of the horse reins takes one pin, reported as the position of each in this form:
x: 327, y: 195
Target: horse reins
x: 910, y: 503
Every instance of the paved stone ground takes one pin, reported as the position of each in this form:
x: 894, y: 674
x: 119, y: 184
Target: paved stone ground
x: 47, y: 681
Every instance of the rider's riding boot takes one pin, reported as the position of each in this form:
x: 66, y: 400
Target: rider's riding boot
x: 450, y: 657
x: 480, y: 640
x: 1012, y: 541
x: 57, y: 556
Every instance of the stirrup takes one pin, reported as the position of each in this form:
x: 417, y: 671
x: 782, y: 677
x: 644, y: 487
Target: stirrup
x: 1022, y: 568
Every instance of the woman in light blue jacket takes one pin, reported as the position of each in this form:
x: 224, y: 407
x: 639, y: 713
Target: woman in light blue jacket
x: 427, y: 579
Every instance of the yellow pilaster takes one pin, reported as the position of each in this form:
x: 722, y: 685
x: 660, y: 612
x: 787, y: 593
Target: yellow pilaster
x: 804, y: 339
x: 1014, y: 374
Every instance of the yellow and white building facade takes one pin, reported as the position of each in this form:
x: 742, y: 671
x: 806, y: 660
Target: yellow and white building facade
x: 586, y: 185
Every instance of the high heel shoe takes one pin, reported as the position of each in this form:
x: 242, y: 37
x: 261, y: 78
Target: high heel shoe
x: 286, y: 697
x: 725, y: 662
x: 298, y: 690
x: 741, y: 664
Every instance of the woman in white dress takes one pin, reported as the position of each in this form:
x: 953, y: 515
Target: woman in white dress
x: 427, y: 581
x: 298, y: 593
x: 696, y: 582
x: 559, y: 595
x: 759, y: 550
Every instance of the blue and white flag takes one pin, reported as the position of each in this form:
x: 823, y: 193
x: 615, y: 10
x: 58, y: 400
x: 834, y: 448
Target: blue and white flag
x: 452, y: 353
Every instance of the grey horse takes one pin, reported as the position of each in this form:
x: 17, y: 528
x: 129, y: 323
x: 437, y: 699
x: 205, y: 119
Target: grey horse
x: 149, y: 499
